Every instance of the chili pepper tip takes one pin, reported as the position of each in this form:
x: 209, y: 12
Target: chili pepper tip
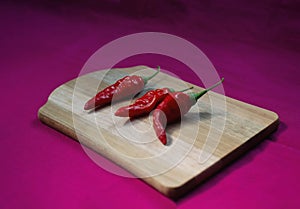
x: 163, y: 139
x: 89, y: 105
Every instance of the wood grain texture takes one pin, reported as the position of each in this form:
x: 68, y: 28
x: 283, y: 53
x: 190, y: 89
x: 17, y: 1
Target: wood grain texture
x: 217, y: 130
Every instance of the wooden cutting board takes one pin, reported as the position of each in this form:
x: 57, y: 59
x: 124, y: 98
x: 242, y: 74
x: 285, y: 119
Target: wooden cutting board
x: 217, y: 130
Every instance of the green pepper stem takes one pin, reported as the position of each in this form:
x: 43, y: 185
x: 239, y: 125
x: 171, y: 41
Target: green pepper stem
x: 196, y: 96
x: 183, y: 90
x: 215, y: 85
x: 146, y: 79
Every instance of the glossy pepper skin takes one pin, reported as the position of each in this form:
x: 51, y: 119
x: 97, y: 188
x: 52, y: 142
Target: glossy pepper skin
x: 172, y: 108
x: 145, y: 104
x: 121, y: 89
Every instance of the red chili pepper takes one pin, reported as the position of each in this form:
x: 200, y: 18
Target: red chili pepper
x: 172, y: 108
x: 145, y: 104
x: 121, y: 89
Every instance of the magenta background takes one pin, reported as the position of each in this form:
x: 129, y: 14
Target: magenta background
x: 253, y: 44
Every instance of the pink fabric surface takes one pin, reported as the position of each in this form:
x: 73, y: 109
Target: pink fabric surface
x: 255, y: 46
